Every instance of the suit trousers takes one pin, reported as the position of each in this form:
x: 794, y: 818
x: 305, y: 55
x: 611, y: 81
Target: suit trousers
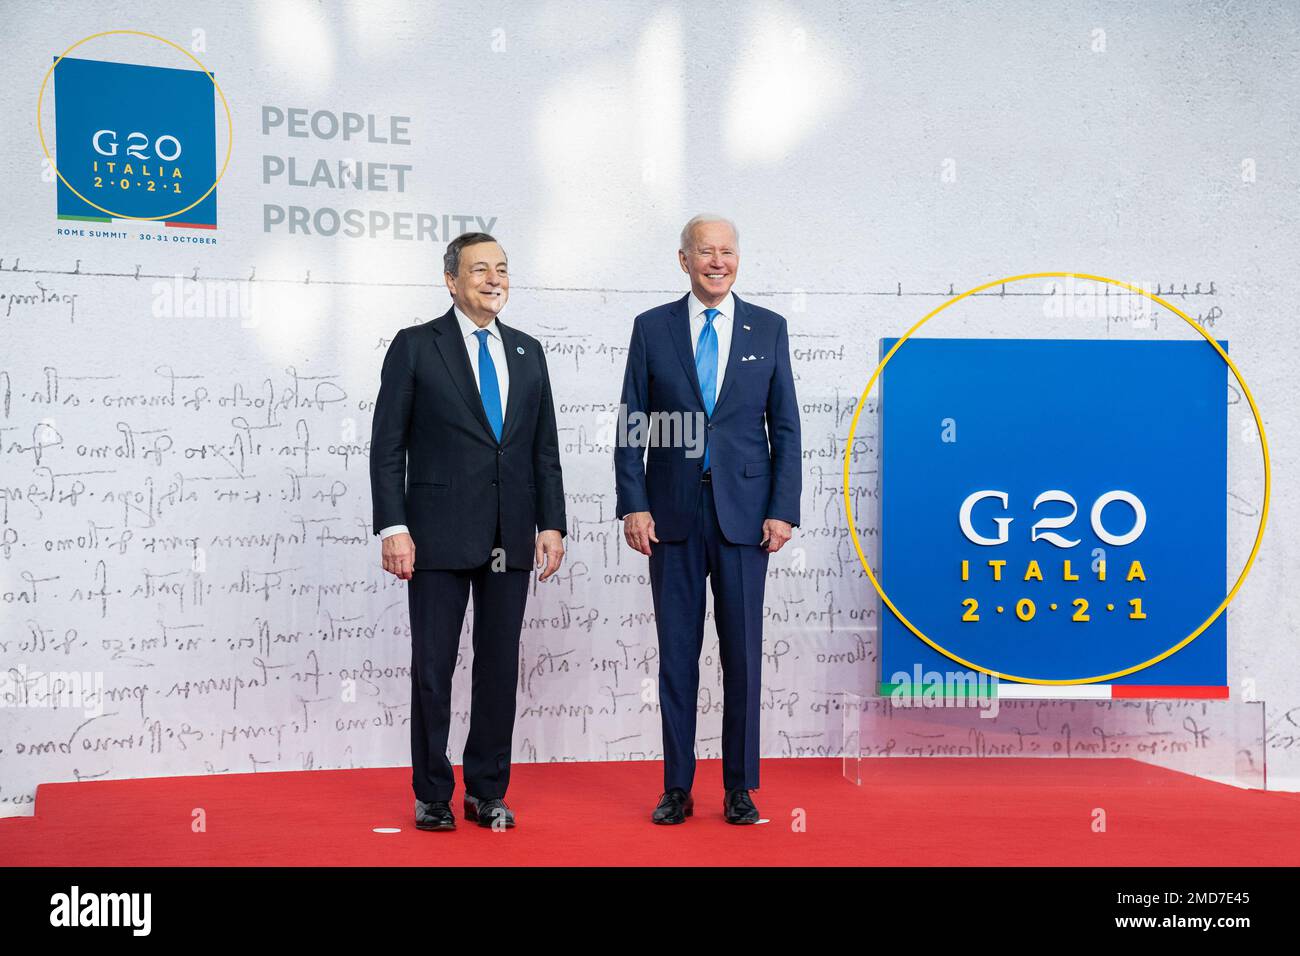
x: 437, y: 602
x: 737, y: 574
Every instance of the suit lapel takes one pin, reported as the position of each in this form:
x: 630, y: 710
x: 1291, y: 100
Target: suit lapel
x: 517, y: 364
x: 452, y: 347
x: 679, y: 329
x: 739, y: 347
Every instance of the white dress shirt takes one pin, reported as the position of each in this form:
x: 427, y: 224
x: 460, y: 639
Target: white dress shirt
x: 497, y: 349
x: 723, y: 323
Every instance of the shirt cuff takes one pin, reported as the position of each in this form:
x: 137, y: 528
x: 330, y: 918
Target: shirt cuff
x: 391, y: 530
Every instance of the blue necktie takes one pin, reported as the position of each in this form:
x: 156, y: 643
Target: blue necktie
x: 488, y: 388
x: 706, y: 367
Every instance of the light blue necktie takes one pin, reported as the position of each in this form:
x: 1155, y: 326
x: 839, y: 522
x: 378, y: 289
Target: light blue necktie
x: 488, y: 388
x: 706, y: 367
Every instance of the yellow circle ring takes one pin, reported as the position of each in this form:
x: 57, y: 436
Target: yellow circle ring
x: 1259, y: 536
x: 230, y: 125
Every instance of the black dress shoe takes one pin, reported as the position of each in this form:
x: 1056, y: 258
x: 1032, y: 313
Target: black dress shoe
x: 487, y: 813
x: 738, y: 808
x: 674, y: 807
x: 434, y: 816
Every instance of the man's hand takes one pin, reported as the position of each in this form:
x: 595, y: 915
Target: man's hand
x: 399, y: 555
x: 776, y: 533
x: 639, y: 531
x: 550, y: 551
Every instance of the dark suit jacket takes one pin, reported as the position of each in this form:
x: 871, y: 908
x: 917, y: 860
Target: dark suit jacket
x: 753, y: 435
x: 429, y: 427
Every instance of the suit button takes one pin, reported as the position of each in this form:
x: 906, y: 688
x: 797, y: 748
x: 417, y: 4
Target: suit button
x: 710, y: 426
x: 501, y: 451
x: 494, y: 481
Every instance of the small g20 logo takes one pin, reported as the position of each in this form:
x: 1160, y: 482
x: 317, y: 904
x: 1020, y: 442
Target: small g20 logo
x: 166, y: 147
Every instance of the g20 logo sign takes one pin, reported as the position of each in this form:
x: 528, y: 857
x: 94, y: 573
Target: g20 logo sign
x: 135, y: 141
x: 166, y: 147
x: 1047, y: 529
x: 144, y: 173
x: 1047, y: 540
x: 1051, y: 537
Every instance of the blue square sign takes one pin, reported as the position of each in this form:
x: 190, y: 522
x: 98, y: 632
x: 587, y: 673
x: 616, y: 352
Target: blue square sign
x: 1056, y: 511
x: 135, y: 142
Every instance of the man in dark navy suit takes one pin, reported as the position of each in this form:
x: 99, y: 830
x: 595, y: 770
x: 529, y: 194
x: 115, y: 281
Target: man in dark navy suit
x: 715, y: 508
x: 468, y: 496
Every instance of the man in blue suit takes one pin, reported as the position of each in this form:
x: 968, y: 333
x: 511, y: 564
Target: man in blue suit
x: 714, y: 508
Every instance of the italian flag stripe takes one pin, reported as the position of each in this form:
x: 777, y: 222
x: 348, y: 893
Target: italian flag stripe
x: 1014, y: 691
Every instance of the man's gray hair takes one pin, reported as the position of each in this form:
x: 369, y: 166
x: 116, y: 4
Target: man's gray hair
x: 451, y: 258
x: 701, y: 220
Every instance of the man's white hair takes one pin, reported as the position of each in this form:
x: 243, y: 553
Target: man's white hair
x: 701, y: 220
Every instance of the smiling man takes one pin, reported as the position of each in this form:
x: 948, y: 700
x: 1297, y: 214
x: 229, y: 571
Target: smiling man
x: 718, y: 514
x: 468, y: 495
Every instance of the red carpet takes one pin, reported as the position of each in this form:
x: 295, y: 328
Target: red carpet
x: 950, y: 811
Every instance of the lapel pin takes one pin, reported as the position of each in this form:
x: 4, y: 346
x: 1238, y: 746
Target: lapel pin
x: 519, y: 349
x: 746, y: 328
